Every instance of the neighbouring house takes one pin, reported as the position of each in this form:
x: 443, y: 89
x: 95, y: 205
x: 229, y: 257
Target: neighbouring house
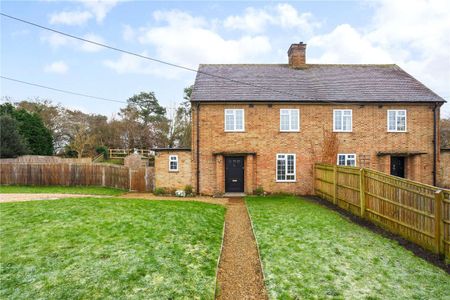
x: 265, y: 125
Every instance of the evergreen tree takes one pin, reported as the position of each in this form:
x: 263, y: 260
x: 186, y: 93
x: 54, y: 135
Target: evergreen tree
x: 12, y: 144
x: 38, y: 138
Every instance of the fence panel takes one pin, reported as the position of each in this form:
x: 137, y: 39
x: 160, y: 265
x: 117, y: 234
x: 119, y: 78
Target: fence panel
x: 347, y: 186
x: 324, y: 181
x: 42, y: 174
x: 402, y: 206
x: 446, y: 223
x: 418, y: 212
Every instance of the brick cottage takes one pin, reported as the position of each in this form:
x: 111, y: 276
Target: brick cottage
x: 265, y: 125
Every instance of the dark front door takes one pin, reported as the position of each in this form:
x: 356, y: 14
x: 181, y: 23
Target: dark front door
x: 234, y: 174
x: 398, y: 166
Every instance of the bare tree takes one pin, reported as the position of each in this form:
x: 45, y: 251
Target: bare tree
x: 81, y: 139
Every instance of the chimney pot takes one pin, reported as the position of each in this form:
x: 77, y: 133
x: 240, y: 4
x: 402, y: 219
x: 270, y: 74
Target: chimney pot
x: 297, y: 55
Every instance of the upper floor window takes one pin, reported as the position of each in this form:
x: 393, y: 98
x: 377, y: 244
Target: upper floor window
x: 396, y: 120
x: 234, y: 120
x: 342, y: 120
x: 173, y: 162
x: 289, y: 120
x: 346, y: 160
x: 285, y: 167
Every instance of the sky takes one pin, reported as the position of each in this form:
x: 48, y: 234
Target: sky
x: 413, y: 34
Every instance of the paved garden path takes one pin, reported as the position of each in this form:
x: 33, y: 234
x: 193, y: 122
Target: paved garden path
x: 240, y: 275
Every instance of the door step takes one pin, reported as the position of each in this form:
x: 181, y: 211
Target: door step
x: 232, y: 195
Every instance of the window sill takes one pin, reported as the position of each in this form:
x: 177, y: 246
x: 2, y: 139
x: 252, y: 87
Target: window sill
x: 288, y: 131
x: 343, y: 131
x: 233, y: 131
x: 174, y: 171
x: 397, y: 131
x: 284, y: 181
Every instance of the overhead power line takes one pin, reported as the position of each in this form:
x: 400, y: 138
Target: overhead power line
x: 61, y: 90
x: 151, y: 58
x: 174, y: 108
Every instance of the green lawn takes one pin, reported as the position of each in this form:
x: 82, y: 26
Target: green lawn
x: 311, y: 252
x: 87, y: 190
x: 109, y: 248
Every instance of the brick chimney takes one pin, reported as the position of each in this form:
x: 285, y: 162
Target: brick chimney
x: 297, y: 55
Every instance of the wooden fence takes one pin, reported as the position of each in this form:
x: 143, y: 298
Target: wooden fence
x: 415, y: 211
x: 122, y: 153
x: 140, y: 180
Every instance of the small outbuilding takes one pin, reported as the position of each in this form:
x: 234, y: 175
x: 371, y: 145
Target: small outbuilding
x: 173, y: 168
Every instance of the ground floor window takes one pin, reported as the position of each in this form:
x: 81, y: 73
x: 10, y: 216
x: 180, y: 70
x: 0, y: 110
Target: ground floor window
x: 346, y: 160
x: 173, y: 163
x: 285, y: 167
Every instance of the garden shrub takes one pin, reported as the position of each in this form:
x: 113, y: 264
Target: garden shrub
x: 188, y: 190
x: 102, y: 150
x: 159, y: 191
x: 164, y: 191
x: 259, y: 191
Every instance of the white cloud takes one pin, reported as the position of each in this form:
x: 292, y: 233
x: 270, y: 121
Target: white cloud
x: 97, y: 9
x: 129, y: 64
x: 70, y: 17
x: 100, y: 8
x: 89, y: 47
x: 20, y: 32
x: 56, y: 41
x: 188, y: 41
x: 413, y: 34
x: 282, y: 15
x: 346, y: 45
x: 128, y: 33
x: 58, y: 67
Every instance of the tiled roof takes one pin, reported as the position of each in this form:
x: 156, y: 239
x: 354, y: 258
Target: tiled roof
x: 314, y: 82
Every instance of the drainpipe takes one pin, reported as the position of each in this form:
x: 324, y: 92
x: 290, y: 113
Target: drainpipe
x: 197, y: 121
x: 435, y: 142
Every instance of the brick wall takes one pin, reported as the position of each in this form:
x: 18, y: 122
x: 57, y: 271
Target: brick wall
x: 262, y: 135
x: 172, y: 179
x: 444, y: 170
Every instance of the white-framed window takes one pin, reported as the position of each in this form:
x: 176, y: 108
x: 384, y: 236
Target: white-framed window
x: 346, y: 159
x: 285, y: 167
x: 289, y: 120
x: 342, y: 120
x: 234, y: 120
x: 396, y: 120
x: 173, y: 163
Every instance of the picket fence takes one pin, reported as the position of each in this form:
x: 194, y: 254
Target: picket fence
x: 139, y: 180
x: 415, y: 211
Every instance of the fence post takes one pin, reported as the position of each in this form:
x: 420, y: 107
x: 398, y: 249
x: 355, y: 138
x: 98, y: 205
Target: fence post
x: 438, y: 234
x: 129, y: 179
x: 314, y: 178
x: 103, y: 176
x: 335, y: 185
x: 362, y: 192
